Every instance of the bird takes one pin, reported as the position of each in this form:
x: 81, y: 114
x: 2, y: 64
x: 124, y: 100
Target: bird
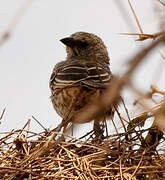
x: 81, y: 78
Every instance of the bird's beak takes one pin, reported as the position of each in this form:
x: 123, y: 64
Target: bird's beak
x: 69, y: 41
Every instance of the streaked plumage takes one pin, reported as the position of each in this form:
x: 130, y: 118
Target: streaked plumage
x: 82, y: 77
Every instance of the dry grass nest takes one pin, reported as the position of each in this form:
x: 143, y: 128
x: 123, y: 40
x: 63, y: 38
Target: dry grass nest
x: 126, y: 156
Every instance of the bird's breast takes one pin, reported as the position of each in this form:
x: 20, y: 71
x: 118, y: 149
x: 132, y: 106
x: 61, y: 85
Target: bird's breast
x: 73, y: 99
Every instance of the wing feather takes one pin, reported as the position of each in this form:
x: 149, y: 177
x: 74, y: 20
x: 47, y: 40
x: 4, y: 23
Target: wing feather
x: 89, y: 73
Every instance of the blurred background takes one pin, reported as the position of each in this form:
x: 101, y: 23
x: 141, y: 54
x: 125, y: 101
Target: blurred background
x: 28, y: 56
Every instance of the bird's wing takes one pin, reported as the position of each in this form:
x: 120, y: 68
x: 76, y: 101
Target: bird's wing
x: 72, y: 73
x: 98, y: 74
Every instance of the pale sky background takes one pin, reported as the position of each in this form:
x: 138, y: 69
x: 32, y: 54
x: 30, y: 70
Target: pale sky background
x: 29, y: 55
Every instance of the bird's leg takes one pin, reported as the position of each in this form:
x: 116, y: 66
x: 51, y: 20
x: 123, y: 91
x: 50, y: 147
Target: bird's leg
x: 72, y: 128
x: 98, y: 130
x: 62, y: 138
x: 105, y: 125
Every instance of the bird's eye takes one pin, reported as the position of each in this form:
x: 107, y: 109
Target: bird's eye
x: 81, y: 44
x: 84, y: 44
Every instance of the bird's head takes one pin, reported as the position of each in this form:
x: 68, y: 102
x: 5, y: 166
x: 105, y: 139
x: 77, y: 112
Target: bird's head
x: 85, y: 45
